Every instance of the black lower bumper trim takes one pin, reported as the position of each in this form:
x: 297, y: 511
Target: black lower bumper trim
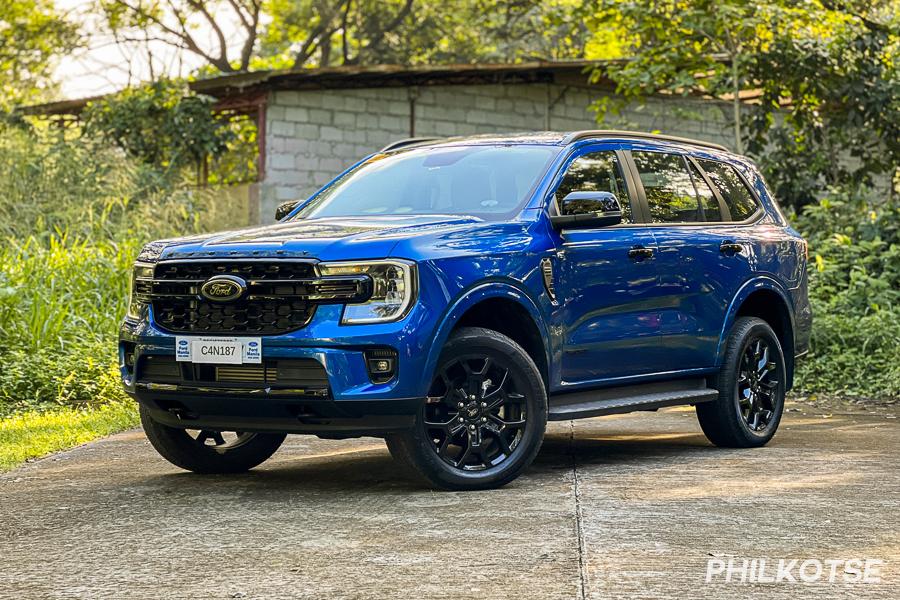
x: 278, y: 413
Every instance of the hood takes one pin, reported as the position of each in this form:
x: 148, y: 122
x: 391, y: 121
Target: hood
x: 345, y: 238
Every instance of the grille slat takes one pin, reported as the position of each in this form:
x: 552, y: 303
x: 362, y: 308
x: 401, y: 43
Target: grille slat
x: 306, y: 373
x: 282, y: 296
x: 247, y: 374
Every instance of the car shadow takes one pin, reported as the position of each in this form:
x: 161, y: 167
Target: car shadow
x: 372, y: 470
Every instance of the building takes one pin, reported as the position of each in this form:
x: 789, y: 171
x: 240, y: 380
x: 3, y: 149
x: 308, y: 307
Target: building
x: 314, y: 123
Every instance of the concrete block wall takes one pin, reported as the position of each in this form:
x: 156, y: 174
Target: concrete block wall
x: 313, y: 135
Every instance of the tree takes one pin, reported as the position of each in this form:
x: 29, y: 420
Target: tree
x: 162, y: 125
x: 810, y: 84
x: 406, y: 32
x: 32, y: 36
x: 178, y: 23
x: 829, y: 92
x: 309, y: 33
x: 698, y: 47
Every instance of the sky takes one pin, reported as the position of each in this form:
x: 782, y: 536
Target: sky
x: 105, y: 65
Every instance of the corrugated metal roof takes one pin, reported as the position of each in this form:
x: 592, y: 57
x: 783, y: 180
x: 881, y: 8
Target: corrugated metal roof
x: 227, y: 87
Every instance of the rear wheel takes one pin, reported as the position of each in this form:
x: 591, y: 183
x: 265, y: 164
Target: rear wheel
x: 751, y: 388
x: 206, y: 451
x: 484, y: 419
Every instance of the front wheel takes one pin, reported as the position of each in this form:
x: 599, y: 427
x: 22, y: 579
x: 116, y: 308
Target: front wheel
x: 751, y: 388
x: 205, y: 451
x: 484, y: 419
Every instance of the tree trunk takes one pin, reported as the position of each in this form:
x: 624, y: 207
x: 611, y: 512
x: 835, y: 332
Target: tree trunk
x: 736, y: 105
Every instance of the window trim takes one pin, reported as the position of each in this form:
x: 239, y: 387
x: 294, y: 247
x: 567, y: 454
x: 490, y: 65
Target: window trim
x: 686, y: 156
x: 724, y: 211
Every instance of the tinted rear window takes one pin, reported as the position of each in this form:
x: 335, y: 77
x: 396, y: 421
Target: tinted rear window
x: 738, y: 198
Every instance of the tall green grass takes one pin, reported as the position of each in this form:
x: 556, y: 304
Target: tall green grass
x: 73, y: 215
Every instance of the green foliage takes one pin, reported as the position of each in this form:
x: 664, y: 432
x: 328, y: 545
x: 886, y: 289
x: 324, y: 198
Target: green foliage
x: 404, y: 32
x: 699, y: 47
x: 840, y: 72
x: 50, y: 185
x: 163, y: 125
x: 855, y: 294
x: 824, y: 72
x: 32, y: 36
x: 294, y: 34
x: 72, y: 218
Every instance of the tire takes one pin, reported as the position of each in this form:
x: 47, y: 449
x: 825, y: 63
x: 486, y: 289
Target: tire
x: 748, y: 409
x: 488, y: 397
x: 183, y: 450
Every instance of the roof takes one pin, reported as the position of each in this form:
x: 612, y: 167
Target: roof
x: 230, y: 88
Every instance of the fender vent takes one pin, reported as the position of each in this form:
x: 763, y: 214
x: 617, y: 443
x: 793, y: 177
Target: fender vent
x: 547, y: 272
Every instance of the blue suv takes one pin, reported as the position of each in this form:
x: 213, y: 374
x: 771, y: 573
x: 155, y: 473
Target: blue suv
x: 452, y: 296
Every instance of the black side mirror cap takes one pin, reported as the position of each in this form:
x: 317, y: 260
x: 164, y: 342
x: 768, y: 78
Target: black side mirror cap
x: 586, y: 210
x: 285, y: 208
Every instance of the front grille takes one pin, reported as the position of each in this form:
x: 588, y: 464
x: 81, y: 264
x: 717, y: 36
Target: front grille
x: 281, y: 295
x: 265, y: 317
x: 302, y: 373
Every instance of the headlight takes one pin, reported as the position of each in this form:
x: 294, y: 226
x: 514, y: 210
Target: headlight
x: 141, y: 287
x: 393, y: 292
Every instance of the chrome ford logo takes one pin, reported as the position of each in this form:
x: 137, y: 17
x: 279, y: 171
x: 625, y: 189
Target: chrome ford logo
x: 223, y: 288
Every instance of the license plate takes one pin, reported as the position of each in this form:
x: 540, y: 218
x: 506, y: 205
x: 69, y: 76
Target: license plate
x: 219, y: 351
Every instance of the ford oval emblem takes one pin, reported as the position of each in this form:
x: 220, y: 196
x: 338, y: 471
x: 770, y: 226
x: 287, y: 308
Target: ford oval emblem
x: 223, y: 288
x: 253, y: 344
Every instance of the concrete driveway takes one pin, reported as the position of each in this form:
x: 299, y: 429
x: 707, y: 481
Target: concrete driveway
x: 616, y: 507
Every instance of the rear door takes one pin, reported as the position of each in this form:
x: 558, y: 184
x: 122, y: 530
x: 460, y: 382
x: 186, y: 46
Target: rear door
x: 702, y: 256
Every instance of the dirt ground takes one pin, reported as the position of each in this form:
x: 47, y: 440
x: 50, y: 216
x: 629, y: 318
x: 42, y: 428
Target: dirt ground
x: 629, y: 506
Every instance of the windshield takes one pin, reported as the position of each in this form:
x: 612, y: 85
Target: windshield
x: 488, y: 182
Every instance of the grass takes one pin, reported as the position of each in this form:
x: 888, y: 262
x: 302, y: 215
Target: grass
x: 33, y: 434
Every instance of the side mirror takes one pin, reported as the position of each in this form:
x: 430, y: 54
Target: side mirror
x: 285, y: 208
x: 586, y: 210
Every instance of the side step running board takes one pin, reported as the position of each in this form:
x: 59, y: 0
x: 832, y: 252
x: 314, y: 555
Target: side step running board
x: 582, y: 405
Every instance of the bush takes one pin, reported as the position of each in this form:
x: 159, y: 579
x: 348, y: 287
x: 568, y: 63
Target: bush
x: 81, y: 189
x: 73, y: 216
x: 855, y: 295
x: 84, y: 374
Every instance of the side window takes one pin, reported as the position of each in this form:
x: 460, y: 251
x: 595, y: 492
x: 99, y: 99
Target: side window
x: 737, y: 197
x: 597, y: 172
x: 670, y: 192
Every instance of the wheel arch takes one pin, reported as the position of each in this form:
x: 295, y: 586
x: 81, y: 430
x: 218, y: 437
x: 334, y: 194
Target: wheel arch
x: 501, y: 307
x: 766, y: 299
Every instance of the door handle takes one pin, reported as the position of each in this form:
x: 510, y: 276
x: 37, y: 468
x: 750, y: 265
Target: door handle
x: 731, y: 248
x: 640, y: 253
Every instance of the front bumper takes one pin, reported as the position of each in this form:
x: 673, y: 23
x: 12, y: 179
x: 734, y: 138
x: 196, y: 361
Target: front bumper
x: 346, y: 403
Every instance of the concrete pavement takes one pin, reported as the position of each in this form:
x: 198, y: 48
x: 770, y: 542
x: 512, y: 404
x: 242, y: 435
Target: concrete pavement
x: 627, y: 506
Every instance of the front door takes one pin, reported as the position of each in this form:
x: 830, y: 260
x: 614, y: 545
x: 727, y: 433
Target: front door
x: 607, y: 281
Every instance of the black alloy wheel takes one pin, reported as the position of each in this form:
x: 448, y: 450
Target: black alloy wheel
x: 474, y: 416
x: 484, y: 418
x: 751, y: 384
x: 757, y: 385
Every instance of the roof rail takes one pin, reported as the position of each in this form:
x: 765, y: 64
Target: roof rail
x: 407, y: 142
x: 581, y: 135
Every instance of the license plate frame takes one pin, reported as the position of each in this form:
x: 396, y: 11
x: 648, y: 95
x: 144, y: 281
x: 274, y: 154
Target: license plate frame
x: 206, y: 350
